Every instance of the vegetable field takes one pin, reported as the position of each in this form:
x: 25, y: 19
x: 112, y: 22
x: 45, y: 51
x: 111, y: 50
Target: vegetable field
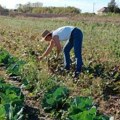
x: 42, y: 90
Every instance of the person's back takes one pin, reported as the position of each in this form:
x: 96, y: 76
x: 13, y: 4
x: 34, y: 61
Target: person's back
x: 63, y: 33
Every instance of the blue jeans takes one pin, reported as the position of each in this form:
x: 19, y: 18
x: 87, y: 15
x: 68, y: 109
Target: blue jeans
x: 75, y: 42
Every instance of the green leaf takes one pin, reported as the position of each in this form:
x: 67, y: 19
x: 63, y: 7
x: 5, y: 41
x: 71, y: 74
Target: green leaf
x: 81, y: 116
x: 2, y: 112
x: 101, y: 117
x: 55, y: 98
x: 85, y: 115
x: 11, y: 95
x: 15, y: 69
x: 4, y: 55
x: 80, y: 104
x: 11, y: 60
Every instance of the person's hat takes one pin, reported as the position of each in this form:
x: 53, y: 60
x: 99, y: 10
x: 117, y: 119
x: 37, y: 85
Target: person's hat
x: 45, y: 34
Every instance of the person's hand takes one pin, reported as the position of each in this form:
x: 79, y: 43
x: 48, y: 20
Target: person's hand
x: 39, y: 58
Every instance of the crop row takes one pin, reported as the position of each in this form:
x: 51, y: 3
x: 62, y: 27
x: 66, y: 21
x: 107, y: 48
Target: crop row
x: 11, y: 102
x: 56, y: 99
x: 58, y: 102
x: 16, y: 68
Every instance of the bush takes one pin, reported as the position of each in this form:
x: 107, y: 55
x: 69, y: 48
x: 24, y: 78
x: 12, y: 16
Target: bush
x: 55, y: 98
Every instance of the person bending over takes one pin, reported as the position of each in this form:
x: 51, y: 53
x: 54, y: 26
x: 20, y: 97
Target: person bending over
x: 73, y: 37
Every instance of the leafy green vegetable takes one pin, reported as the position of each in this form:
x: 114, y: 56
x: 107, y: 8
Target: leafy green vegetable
x: 11, y: 60
x: 2, y: 112
x: 79, y: 104
x: 55, y: 98
x: 11, y: 112
x: 11, y: 102
x: 85, y: 115
x: 15, y: 69
x: 4, y: 55
x: 2, y: 80
x: 82, y: 108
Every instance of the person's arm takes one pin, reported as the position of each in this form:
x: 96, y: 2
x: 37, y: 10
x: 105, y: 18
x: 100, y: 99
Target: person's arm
x: 57, y: 44
x: 48, y: 50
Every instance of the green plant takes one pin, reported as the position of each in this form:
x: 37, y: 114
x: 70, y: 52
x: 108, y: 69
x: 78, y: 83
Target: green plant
x: 2, y: 112
x: 55, y: 98
x: 82, y: 108
x: 100, y: 55
x: 4, y: 56
x: 11, y: 102
x: 11, y: 60
x: 15, y: 68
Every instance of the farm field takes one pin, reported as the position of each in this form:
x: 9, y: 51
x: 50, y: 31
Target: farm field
x: 32, y: 83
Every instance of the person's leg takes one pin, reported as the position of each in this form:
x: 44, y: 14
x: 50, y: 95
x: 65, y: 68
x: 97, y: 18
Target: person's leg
x: 78, y: 38
x: 68, y: 46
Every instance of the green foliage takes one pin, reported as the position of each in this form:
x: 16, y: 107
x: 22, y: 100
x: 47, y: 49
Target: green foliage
x: 2, y: 80
x: 2, y: 112
x: 11, y: 60
x: 10, y: 92
x: 112, y: 7
x: 15, y: 69
x: 115, y: 46
x: 80, y: 104
x: 55, y: 98
x: 84, y: 115
x: 4, y: 56
x: 56, y: 10
x: 82, y: 108
x: 78, y: 108
x: 11, y: 102
x: 29, y: 75
x: 49, y: 10
x: 100, y: 53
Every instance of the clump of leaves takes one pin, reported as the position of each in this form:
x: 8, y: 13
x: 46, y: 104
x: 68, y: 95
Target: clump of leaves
x: 13, y: 64
x: 11, y: 102
x: 4, y: 55
x: 82, y: 108
x: 11, y: 60
x: 29, y: 73
x: 15, y: 68
x: 55, y: 98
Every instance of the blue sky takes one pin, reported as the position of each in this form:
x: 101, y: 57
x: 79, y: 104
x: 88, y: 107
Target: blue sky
x: 84, y: 5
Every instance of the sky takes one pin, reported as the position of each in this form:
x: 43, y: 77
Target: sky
x: 84, y: 5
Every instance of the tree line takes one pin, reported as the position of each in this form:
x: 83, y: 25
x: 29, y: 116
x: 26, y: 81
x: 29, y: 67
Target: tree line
x: 49, y: 10
x: 38, y: 8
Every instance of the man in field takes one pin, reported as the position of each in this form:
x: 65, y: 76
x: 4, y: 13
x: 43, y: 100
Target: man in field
x: 73, y: 37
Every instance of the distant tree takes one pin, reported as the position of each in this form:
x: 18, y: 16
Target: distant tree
x: 73, y: 10
x: 19, y: 7
x: 113, y: 7
x: 38, y: 9
x: 56, y: 10
x: 28, y: 7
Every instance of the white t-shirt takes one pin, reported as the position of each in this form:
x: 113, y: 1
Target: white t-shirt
x: 64, y: 32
